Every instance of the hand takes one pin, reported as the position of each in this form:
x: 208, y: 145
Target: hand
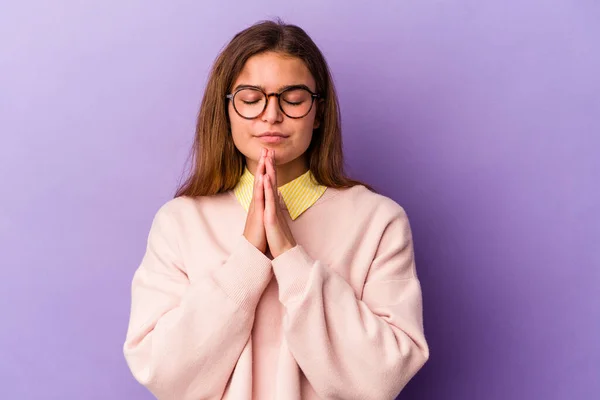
x: 254, y: 231
x: 279, y: 235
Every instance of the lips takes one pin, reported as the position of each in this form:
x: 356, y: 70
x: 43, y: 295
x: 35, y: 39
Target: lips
x: 272, y: 134
x: 272, y: 137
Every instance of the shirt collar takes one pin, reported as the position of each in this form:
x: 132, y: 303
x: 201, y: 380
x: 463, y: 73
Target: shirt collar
x: 298, y: 195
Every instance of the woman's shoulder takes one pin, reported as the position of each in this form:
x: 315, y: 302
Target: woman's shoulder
x: 361, y: 199
x: 183, y: 206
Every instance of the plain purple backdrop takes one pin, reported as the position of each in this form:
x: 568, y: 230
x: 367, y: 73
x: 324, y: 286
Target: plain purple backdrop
x: 481, y: 118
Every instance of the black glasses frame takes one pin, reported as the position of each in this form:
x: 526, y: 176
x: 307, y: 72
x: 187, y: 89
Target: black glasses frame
x: 313, y: 95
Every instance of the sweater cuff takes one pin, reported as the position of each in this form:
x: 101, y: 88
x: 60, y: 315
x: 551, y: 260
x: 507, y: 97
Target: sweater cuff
x: 245, y: 274
x: 292, y: 270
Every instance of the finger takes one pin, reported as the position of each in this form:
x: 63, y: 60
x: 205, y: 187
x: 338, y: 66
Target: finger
x: 271, y: 172
x: 269, y: 199
x: 269, y: 166
x: 260, y: 160
x: 259, y: 178
x: 259, y: 192
x: 259, y: 200
x: 263, y: 158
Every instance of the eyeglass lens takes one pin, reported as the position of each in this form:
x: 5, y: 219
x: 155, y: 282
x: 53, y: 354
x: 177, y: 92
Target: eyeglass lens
x: 250, y: 103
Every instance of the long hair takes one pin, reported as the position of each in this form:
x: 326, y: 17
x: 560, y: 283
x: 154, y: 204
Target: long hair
x: 217, y: 164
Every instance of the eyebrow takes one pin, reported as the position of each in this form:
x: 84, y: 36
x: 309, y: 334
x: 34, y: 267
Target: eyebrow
x: 280, y: 89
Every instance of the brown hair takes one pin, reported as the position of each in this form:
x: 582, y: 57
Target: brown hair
x: 217, y: 164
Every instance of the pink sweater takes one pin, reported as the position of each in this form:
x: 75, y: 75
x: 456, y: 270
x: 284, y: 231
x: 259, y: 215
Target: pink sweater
x: 337, y: 317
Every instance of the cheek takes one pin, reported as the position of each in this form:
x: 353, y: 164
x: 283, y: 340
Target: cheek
x: 307, y: 127
x: 239, y: 126
x: 304, y: 132
x: 238, y: 134
x: 241, y: 133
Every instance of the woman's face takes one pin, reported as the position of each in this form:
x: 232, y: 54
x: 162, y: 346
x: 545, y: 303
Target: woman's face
x: 272, y: 72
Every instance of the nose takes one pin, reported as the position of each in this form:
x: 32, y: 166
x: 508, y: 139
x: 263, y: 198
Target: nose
x: 272, y: 113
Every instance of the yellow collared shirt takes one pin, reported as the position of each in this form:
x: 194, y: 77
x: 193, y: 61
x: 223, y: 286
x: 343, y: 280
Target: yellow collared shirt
x: 298, y: 195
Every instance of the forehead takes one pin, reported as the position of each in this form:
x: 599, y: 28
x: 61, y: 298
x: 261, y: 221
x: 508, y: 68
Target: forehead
x: 273, y: 71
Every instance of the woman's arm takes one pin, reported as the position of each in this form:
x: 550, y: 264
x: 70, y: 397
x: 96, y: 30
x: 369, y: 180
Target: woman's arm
x: 184, y: 339
x: 351, y: 348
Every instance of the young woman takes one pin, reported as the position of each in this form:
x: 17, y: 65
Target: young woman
x: 272, y: 275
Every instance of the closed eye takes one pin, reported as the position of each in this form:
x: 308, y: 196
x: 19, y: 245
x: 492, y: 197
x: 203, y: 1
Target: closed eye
x: 293, y: 103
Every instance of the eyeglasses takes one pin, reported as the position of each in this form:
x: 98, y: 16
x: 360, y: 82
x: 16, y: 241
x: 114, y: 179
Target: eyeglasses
x: 295, y: 101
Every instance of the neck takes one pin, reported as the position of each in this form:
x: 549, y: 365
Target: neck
x: 285, y: 172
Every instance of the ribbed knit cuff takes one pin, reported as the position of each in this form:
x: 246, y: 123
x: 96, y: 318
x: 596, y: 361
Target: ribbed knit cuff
x: 292, y: 270
x: 245, y: 274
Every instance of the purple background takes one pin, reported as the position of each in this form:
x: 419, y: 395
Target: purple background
x: 481, y: 118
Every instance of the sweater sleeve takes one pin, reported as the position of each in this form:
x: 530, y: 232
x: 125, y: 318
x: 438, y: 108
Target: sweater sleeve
x: 350, y: 348
x: 184, y: 339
